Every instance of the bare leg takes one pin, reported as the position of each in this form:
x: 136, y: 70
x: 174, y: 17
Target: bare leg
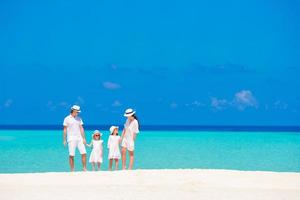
x: 123, y: 158
x: 71, y: 161
x: 131, y: 159
x: 117, y: 164
x: 93, y: 166
x: 110, y: 164
x: 99, y: 166
x: 83, y: 159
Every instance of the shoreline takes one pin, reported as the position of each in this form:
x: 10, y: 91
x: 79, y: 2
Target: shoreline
x: 152, y: 184
x: 223, y: 128
x: 167, y: 169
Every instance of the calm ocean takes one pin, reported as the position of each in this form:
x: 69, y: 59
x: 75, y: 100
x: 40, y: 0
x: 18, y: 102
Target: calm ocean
x: 42, y: 150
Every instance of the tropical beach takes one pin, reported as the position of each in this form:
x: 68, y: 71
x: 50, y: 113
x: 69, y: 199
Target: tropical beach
x: 184, y: 177
x: 152, y: 184
x: 123, y: 100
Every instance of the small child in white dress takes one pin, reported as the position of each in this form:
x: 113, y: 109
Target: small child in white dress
x: 96, y: 154
x: 114, y: 147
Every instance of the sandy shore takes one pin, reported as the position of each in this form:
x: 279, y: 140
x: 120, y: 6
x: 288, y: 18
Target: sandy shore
x: 151, y: 184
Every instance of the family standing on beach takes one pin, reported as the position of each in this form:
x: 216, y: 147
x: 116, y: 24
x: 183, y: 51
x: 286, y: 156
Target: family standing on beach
x: 74, y: 137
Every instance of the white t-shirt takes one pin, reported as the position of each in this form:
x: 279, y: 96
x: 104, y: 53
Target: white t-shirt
x: 131, y: 127
x: 73, y: 127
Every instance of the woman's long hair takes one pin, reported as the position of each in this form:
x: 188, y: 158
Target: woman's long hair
x: 137, y: 119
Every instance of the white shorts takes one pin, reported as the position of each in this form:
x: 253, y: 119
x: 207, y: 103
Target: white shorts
x: 76, y: 143
x: 128, y: 144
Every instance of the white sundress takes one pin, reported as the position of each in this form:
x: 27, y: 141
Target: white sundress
x: 130, y: 129
x: 113, y: 146
x: 96, y: 154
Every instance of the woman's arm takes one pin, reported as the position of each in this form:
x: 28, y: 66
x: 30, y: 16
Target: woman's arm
x: 123, y: 133
x: 135, y: 128
x: 134, y: 136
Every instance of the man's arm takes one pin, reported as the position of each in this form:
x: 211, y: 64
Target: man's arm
x: 82, y: 134
x: 65, y: 136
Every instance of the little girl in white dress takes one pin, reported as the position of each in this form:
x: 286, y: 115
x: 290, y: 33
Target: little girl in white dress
x: 113, y: 146
x: 96, y: 154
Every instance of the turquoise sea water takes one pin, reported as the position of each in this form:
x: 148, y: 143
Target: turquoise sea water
x: 42, y: 151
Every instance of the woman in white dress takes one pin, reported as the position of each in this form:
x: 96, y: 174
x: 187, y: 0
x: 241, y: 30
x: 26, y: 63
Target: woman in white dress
x: 96, y: 154
x: 113, y: 146
x: 131, y: 129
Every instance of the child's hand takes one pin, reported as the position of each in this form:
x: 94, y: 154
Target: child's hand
x: 64, y: 142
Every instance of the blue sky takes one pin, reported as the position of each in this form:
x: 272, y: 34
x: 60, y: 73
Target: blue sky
x: 176, y: 62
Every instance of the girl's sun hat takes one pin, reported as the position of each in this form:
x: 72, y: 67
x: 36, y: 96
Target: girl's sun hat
x: 112, y: 128
x: 129, y: 112
x: 97, y: 132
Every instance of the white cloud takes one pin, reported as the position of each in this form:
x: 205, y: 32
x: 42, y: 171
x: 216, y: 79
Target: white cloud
x: 111, y: 86
x: 116, y: 103
x: 241, y: 101
x: 280, y: 105
x: 197, y: 103
x: 8, y: 103
x: 244, y: 99
x: 53, y: 105
x: 219, y: 104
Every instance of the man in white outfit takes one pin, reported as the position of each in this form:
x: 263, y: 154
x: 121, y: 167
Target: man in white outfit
x: 73, y: 134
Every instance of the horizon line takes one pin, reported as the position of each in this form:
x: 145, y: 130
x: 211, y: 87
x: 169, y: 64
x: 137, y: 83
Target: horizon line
x: 164, y: 127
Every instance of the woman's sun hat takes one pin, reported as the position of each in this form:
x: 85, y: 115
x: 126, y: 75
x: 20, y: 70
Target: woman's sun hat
x: 97, y: 132
x: 112, y: 128
x: 129, y: 112
x: 75, y: 107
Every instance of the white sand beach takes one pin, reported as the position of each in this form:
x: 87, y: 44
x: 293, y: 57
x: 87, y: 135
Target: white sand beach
x: 152, y: 184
